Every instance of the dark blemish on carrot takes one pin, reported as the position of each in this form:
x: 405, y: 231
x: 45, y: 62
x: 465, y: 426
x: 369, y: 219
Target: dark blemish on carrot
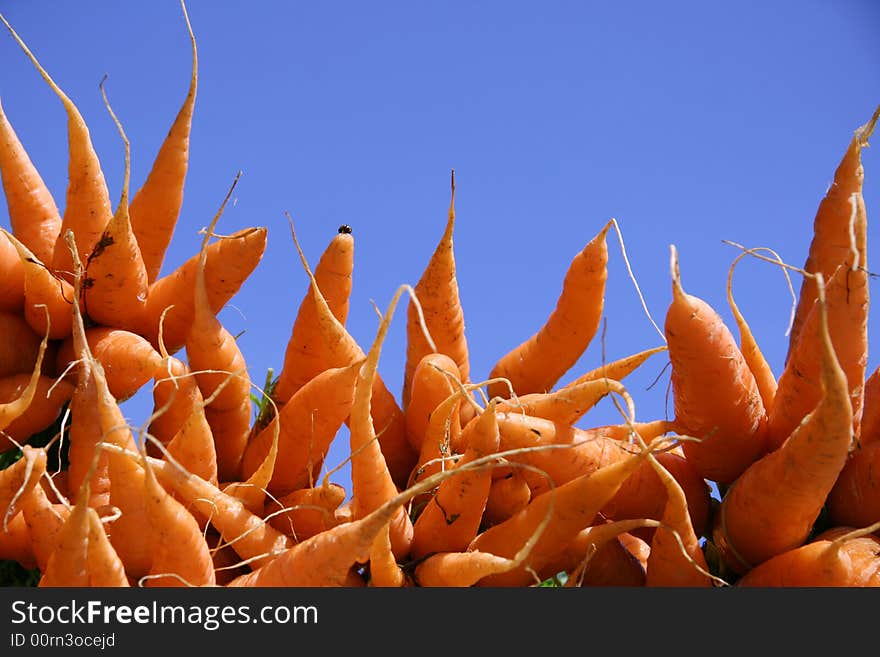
x: 344, y: 229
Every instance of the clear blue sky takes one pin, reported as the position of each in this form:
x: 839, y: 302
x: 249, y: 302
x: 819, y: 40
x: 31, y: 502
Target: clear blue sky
x: 689, y: 122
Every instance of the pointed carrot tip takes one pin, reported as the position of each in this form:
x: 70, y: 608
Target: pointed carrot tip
x: 864, y: 132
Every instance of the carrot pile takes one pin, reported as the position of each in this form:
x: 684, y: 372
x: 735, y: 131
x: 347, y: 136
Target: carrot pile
x: 455, y: 481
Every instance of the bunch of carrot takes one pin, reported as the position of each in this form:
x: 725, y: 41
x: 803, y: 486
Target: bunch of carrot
x: 457, y: 481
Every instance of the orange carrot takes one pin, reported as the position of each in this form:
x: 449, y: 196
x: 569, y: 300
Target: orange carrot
x: 83, y: 555
x: 618, y: 369
x: 29, y: 404
x: 306, y: 424
x: 342, y: 349
x: 20, y: 345
x: 17, y: 480
x: 15, y: 543
x: 34, y: 217
x: 44, y: 522
x: 87, y: 209
x: 839, y: 234
x: 305, y: 356
x: 229, y: 262
x: 844, y: 557
x: 306, y: 511
x: 508, y: 495
x: 716, y: 397
x: 800, y: 384
x: 175, y: 397
x: 772, y: 507
x: 155, y: 207
x: 537, y: 364
x: 869, y: 427
x: 566, y: 405
x: 42, y: 289
x: 441, y: 312
x: 432, y: 382
x: 115, y: 284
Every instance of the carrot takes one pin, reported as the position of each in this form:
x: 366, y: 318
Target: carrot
x: 855, y: 498
x: 176, y: 396
x: 570, y: 507
x: 128, y: 359
x: 305, y: 357
x: 440, y: 311
x: 758, y: 365
x: 11, y: 278
x: 42, y: 288
x: 566, y: 405
x: 20, y: 345
x: 844, y: 557
x: 252, y: 537
x: 800, y: 384
x: 15, y: 543
x: 17, y: 480
x: 33, y: 215
x: 538, y: 363
x: 342, y: 349
x: 716, y: 397
x: 772, y: 507
x: 452, y: 517
x: 372, y: 484
x: 179, y: 552
x: 676, y: 557
x: 306, y: 425
x: 193, y: 447
x: 83, y: 556
x: 306, y: 511
x: 839, y: 227
x: 155, y: 207
x: 115, y: 283
x: 229, y: 262
x: 45, y: 521
x: 869, y: 427
x: 87, y: 209
x: 444, y: 429
x: 617, y: 370
x: 432, y: 382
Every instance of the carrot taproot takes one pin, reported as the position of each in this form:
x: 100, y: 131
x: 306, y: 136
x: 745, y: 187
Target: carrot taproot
x: 618, y: 369
x: 306, y: 424
x: 372, y: 483
x: 538, y: 363
x: 115, y: 284
x: 452, y: 517
x: 843, y: 557
x: 11, y: 279
x: 566, y: 405
x: 17, y: 480
x: 440, y: 311
x: 304, y: 355
x: 176, y: 396
x: 193, y: 447
x: 128, y: 359
x: 229, y: 263
x: 444, y: 430
x: 432, y: 382
x: 839, y: 227
x: 716, y: 397
x: 44, y: 289
x: 87, y: 207
x: 33, y: 214
x: 15, y: 543
x: 773, y: 505
x: 342, y: 349
x: 45, y: 521
x: 676, y: 557
x: 83, y: 555
x: 155, y: 207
